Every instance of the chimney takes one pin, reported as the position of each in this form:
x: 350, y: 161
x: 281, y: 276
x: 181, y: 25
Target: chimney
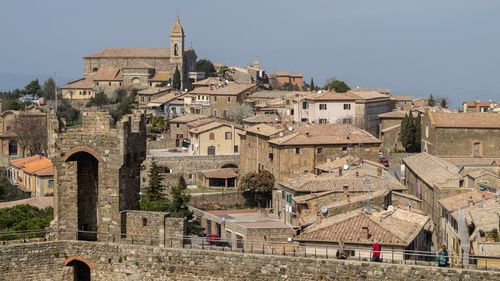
x: 346, y: 193
x: 366, y: 231
x: 340, y: 171
x: 319, y: 218
x: 470, y: 201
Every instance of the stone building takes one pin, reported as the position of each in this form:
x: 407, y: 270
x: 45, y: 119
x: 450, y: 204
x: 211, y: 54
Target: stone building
x: 97, y: 173
x: 479, y: 106
x: 215, y: 138
x: 8, y: 139
x: 324, y: 107
x: 369, y: 105
x: 461, y: 134
x: 298, y: 150
x: 134, y: 67
x: 281, y: 79
x: 33, y: 174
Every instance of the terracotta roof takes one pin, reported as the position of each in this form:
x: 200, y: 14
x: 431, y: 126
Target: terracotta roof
x: 337, y: 163
x: 368, y: 94
x: 461, y: 199
x: 187, y: 118
x: 38, y: 165
x: 465, y: 120
x: 111, y: 74
x: 263, y: 118
x: 397, y: 227
x: 85, y: 83
x: 403, y: 98
x: 484, y: 217
x: 161, y: 76
x: 481, y: 103
x: 264, y: 130
x: 431, y: 169
x: 225, y: 90
x: 319, y: 134
x: 332, y: 182
x: 19, y: 163
x: 131, y: 53
x: 385, y: 130
x: 208, y: 81
x: 39, y: 202
x: 49, y: 171
x: 154, y: 90
x: 274, y: 94
x: 395, y: 114
x: 206, y: 127
x: 174, y: 95
x: 225, y: 173
x: 331, y: 96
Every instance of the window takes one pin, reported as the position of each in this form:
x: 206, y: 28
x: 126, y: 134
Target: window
x: 319, y: 150
x: 236, y: 149
x: 177, y: 125
x: 323, y: 120
x: 215, y: 99
x: 461, y: 183
x: 228, y: 99
x: 229, y: 135
x: 109, y: 83
x: 347, y: 106
x: 226, y: 113
x: 211, y: 136
x: 144, y: 222
x: 271, y: 156
x: 346, y: 121
x: 305, y: 105
x: 215, y: 112
x: 190, y: 176
x: 344, y: 149
x: 51, y: 183
x: 291, y: 111
x: 304, y: 119
x: 297, y: 150
x: 322, y: 106
x: 476, y: 149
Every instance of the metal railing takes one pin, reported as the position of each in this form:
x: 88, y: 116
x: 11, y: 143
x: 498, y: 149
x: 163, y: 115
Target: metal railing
x: 292, y: 248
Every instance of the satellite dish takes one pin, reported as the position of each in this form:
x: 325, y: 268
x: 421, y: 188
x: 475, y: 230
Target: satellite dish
x: 390, y: 208
x: 367, y: 208
x: 290, y: 129
x: 345, y: 167
x: 324, y: 210
x: 281, y: 134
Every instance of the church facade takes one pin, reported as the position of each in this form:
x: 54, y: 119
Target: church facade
x: 137, y: 68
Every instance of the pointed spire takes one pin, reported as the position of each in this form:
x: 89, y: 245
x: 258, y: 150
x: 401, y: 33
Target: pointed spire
x: 177, y: 27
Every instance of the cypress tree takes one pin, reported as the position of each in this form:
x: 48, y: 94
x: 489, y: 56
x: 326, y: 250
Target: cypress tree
x: 313, y: 88
x: 431, y: 101
x: 176, y: 79
x: 404, y: 132
x: 411, y: 133
x: 418, y: 133
x: 154, y: 190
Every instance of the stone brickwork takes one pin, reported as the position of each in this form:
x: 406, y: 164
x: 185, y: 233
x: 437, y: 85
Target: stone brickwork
x: 46, y: 261
x: 96, y: 172
x: 219, y: 200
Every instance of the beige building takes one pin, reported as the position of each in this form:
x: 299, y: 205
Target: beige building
x: 33, y: 175
x: 369, y: 105
x: 325, y: 107
x: 299, y: 149
x: 217, y: 99
x: 461, y: 134
x: 215, y: 138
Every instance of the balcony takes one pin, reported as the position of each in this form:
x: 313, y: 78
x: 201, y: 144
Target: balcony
x: 201, y: 102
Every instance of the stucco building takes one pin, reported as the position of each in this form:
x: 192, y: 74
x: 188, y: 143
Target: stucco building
x: 461, y: 134
x: 324, y: 107
x: 215, y: 138
x: 369, y: 105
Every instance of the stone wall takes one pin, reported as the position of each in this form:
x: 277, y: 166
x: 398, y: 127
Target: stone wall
x: 46, y: 261
x: 216, y: 200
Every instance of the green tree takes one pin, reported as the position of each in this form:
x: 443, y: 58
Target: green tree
x: 257, y: 187
x: 431, y: 101
x: 33, y: 87
x: 155, y: 188
x: 13, y: 105
x: 178, y: 207
x: 207, y: 67
x: 443, y: 103
x: 337, y: 85
x: 313, y: 88
x: 124, y: 106
x: 100, y: 99
x: 405, y: 135
x: 176, y: 79
x: 225, y: 73
x: 418, y: 133
x: 9, y: 192
x: 24, y: 218
x: 66, y: 111
x: 49, y: 89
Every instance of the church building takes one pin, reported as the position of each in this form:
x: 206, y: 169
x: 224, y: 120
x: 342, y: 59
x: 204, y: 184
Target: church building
x: 138, y: 68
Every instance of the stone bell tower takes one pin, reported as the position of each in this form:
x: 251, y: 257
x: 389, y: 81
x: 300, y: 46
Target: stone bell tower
x: 97, y: 174
x: 177, y: 49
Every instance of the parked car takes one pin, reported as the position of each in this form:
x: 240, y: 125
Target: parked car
x: 214, y: 239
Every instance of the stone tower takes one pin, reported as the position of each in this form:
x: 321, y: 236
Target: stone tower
x: 177, y: 49
x: 97, y: 174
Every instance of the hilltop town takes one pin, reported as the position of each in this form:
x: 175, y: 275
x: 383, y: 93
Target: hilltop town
x: 155, y: 163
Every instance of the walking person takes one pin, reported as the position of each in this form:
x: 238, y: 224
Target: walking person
x: 442, y: 256
x: 376, y: 251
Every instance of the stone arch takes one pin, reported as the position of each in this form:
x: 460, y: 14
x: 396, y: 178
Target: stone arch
x: 136, y: 80
x: 87, y: 182
x: 88, y: 150
x: 229, y: 165
x: 81, y: 268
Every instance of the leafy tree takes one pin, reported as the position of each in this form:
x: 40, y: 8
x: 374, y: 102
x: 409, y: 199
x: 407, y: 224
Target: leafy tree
x: 66, y: 111
x: 98, y: 100
x: 31, y: 131
x: 155, y: 188
x: 49, y: 89
x: 33, y: 87
x: 124, y: 106
x: 313, y: 88
x: 443, y: 103
x: 257, y: 187
x: 410, y: 133
x: 8, y: 192
x: 337, y: 85
x: 206, y: 66
x: 239, y: 112
x: 14, y: 105
x: 176, y: 79
x: 431, y: 101
x: 179, y: 207
x: 24, y: 218
x: 225, y: 73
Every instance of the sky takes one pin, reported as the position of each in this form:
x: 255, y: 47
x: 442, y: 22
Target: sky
x: 448, y: 48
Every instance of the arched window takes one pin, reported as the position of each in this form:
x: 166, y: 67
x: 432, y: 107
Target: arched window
x: 95, y: 69
x: 211, y: 136
x: 175, y: 50
x: 476, y: 149
x: 136, y: 81
x: 13, y: 147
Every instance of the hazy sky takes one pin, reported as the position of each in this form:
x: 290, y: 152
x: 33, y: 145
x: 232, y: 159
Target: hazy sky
x: 444, y: 47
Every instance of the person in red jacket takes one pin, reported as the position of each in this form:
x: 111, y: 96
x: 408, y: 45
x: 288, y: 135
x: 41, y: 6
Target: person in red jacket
x: 376, y: 251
